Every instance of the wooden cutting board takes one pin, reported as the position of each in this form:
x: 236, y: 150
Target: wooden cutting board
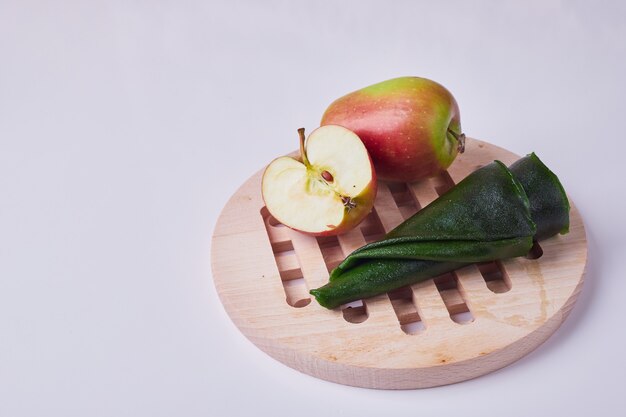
x: 450, y: 329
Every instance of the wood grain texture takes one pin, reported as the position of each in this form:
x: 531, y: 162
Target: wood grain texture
x: 450, y: 329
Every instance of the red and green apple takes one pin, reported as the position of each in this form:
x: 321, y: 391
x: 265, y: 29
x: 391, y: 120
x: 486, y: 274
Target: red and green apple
x: 411, y: 126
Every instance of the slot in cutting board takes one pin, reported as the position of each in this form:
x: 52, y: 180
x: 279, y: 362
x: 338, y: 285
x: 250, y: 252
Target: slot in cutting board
x: 455, y: 327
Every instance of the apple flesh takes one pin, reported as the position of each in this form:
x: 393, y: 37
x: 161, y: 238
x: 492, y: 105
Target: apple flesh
x: 329, y: 190
x: 411, y: 126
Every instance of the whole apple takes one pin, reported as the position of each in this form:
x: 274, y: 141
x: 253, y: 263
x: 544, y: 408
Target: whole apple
x: 411, y: 126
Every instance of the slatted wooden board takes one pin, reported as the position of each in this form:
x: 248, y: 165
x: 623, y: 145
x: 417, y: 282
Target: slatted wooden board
x: 453, y: 328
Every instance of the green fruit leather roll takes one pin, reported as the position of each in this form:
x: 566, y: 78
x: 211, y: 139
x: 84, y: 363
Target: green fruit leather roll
x: 494, y: 213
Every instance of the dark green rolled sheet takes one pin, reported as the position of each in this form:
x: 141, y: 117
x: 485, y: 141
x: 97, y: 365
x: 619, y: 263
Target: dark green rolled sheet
x: 494, y: 213
x: 549, y: 205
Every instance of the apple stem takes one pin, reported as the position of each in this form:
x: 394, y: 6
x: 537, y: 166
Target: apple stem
x: 460, y: 138
x: 305, y: 160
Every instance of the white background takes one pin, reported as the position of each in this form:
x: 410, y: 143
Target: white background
x: 126, y: 125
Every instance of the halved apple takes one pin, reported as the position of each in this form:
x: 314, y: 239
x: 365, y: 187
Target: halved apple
x: 329, y: 190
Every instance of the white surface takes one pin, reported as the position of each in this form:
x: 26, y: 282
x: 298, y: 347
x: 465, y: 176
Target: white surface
x: 126, y: 125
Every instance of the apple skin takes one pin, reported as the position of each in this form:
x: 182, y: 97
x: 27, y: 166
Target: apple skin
x: 364, y: 201
x: 404, y: 125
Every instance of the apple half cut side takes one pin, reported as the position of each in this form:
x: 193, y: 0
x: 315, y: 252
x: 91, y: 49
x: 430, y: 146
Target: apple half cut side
x: 329, y: 190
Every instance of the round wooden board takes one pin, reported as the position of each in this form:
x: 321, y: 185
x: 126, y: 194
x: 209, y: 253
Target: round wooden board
x: 450, y: 329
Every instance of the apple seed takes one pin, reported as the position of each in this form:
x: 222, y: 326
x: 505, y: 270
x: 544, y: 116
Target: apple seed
x: 327, y: 176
